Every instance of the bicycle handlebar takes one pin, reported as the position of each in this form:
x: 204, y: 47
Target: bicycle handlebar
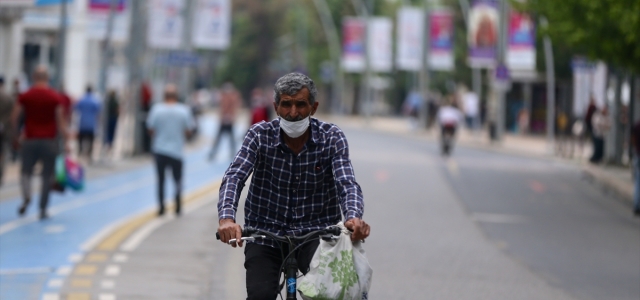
x: 250, y: 234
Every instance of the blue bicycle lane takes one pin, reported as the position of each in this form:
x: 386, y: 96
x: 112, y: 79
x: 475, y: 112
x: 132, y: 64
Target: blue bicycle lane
x: 32, y: 251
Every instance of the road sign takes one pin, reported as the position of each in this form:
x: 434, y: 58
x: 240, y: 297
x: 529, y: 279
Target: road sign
x: 179, y: 59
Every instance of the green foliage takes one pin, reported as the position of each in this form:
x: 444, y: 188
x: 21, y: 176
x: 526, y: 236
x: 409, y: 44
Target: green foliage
x: 608, y: 30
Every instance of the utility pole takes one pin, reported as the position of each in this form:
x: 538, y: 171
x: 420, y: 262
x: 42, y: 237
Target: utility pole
x: 62, y: 41
x: 551, y: 89
x: 107, y: 51
x: 135, y: 53
x: 424, y: 69
x: 500, y: 92
x: 331, y: 32
x: 366, y: 79
x: 476, y: 73
x: 186, y: 80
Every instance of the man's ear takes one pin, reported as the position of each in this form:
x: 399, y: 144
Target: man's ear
x: 314, y: 108
x: 275, y: 107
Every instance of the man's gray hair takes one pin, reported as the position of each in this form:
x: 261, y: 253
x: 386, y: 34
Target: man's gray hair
x: 291, y: 84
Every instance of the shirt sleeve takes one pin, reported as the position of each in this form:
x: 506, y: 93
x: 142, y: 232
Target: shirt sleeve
x: 349, y: 191
x: 237, y: 174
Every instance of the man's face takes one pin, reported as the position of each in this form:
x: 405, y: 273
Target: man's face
x: 295, y: 107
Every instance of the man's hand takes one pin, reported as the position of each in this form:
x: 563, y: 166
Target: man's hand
x: 360, y: 229
x: 230, y: 230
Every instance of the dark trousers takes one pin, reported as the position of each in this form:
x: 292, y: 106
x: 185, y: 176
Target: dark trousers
x: 598, y: 150
x: 162, y: 163
x: 34, y: 151
x: 85, y: 137
x: 224, y: 129
x: 263, y: 267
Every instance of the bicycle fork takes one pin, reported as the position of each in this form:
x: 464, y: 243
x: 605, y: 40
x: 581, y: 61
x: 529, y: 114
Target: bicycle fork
x: 291, y: 277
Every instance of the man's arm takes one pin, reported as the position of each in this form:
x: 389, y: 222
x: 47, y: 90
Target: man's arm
x: 15, y: 117
x: 231, y: 187
x: 63, y: 127
x: 349, y: 190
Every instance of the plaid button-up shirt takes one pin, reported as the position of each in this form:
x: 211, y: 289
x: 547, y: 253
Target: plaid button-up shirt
x: 292, y: 194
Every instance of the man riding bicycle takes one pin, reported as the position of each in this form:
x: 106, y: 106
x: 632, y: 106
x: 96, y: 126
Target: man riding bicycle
x: 302, y: 181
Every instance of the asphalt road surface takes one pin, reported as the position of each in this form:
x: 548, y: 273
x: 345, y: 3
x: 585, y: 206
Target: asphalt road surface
x: 476, y: 225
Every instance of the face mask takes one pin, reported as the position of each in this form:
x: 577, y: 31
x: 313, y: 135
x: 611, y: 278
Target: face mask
x: 294, y: 129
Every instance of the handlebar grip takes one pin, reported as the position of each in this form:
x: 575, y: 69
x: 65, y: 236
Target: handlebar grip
x: 247, y: 231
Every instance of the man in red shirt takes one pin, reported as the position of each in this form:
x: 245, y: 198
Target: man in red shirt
x: 43, y: 119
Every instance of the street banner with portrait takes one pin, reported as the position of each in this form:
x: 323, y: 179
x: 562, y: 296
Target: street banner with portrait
x: 521, y: 47
x: 98, y: 19
x: 441, y: 55
x: 483, y: 33
x: 105, y: 5
x: 353, y: 36
x: 212, y: 24
x: 410, y: 51
x: 165, y: 24
x: 380, y: 52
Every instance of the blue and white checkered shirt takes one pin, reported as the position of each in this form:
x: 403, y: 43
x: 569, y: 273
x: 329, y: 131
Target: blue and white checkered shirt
x: 292, y: 194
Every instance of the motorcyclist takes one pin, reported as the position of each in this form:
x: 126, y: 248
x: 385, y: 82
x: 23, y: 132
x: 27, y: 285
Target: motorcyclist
x: 449, y: 116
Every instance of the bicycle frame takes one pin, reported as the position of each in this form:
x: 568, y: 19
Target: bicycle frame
x: 290, y: 264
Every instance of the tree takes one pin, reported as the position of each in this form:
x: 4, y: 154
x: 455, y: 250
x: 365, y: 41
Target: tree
x: 605, y: 30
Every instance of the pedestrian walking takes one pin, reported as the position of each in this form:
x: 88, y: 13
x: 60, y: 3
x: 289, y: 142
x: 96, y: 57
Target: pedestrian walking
x: 302, y: 181
x: 635, y: 140
x: 6, y: 106
x: 601, y: 125
x: 112, y: 114
x: 259, y: 107
x: 169, y: 124
x: 43, y: 123
x: 88, y: 109
x: 471, y: 109
x: 230, y: 102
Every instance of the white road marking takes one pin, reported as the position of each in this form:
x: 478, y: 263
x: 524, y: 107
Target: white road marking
x: 132, y: 243
x: 107, y: 297
x: 120, y: 258
x: 498, y: 218
x: 112, y: 270
x: 452, y: 166
x: 64, y: 270
x: 55, y: 283
x: 107, y: 284
x: 50, y: 296
x: 53, y: 229
x: 80, y: 202
x: 76, y: 257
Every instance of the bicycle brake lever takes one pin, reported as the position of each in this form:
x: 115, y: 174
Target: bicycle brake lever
x: 247, y: 238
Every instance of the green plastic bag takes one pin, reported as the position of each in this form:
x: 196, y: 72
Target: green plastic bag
x: 60, y: 180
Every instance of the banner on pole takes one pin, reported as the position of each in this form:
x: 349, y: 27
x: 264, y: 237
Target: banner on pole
x: 165, y: 24
x: 353, y: 55
x: 441, y: 55
x: 521, y: 47
x: 483, y: 33
x: 212, y: 24
x: 98, y: 19
x: 380, y: 52
x: 410, y: 39
x: 105, y: 5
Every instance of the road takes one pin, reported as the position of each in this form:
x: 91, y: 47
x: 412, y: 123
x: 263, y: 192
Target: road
x: 477, y: 225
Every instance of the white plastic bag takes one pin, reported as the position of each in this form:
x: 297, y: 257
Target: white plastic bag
x: 338, y: 270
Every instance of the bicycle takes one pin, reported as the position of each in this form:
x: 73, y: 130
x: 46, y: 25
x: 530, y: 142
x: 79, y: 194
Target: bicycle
x: 289, y: 265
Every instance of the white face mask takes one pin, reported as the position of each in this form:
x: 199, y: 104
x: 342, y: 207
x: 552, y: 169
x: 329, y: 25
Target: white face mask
x: 294, y: 129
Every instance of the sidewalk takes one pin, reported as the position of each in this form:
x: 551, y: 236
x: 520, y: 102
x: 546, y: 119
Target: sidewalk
x: 613, y: 179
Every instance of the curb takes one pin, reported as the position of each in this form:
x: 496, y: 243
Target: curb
x: 608, y: 182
